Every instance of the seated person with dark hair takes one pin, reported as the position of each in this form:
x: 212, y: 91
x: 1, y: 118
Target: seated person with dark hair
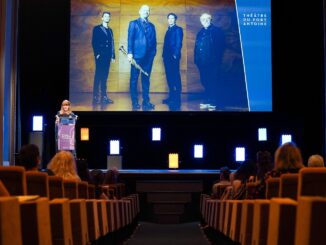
x: 219, y: 187
x: 29, y: 157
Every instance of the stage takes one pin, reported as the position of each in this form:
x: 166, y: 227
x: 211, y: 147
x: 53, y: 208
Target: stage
x: 169, y: 195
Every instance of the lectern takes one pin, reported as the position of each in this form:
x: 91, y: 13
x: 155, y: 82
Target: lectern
x: 65, y: 133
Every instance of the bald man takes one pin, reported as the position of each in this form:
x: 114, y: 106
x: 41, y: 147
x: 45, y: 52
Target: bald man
x: 141, y: 48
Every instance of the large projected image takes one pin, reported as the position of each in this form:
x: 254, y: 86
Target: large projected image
x: 189, y: 55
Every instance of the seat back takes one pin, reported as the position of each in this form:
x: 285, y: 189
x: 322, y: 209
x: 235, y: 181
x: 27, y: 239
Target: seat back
x: 289, y: 186
x: 91, y: 191
x: 70, y: 189
x: 83, y: 190
x: 3, y: 190
x: 56, y: 187
x: 272, y: 187
x: 312, y: 182
x: 37, y: 183
x: 10, y: 225
x: 218, y: 190
x: 311, y: 220
x: 260, y: 222
x: 282, y: 219
x: 14, y: 179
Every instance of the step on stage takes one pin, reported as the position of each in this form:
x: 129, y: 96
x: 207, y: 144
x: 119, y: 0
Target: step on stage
x: 169, y: 196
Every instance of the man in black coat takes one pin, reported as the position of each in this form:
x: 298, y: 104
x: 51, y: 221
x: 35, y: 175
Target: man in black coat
x: 103, y: 48
x: 171, y: 58
x: 208, y: 55
x: 141, y: 48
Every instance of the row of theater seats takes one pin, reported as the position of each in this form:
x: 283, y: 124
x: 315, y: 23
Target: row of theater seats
x: 294, y: 212
x: 44, y: 209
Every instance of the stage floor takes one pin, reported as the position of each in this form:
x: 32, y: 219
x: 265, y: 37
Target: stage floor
x: 189, y: 102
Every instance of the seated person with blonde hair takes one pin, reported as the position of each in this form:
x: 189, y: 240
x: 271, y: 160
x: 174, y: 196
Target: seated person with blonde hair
x: 63, y: 164
x: 316, y: 161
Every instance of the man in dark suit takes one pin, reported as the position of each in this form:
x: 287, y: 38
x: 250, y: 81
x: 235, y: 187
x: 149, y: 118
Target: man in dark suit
x: 208, y: 55
x: 141, y: 48
x: 171, y: 58
x: 103, y: 48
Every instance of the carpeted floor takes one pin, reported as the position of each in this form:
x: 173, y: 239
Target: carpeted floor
x: 157, y: 234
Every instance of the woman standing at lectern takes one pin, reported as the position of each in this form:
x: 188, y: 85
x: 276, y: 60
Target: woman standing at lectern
x: 65, y: 111
x: 65, y: 116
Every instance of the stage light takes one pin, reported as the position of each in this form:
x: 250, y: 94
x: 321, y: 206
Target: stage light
x: 198, y: 151
x: 262, y: 134
x: 240, y: 154
x: 156, y: 134
x: 84, y: 134
x: 173, y: 160
x: 37, y: 123
x: 114, y: 147
x: 285, y: 138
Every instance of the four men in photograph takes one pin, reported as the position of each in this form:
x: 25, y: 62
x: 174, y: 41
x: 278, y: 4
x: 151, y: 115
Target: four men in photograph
x: 142, y: 45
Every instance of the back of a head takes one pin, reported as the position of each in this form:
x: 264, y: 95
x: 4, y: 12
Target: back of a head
x: 63, y: 165
x: 225, y: 173
x: 29, y: 157
x: 97, y: 176
x: 288, y: 156
x: 264, y: 163
x: 316, y: 161
x: 247, y: 169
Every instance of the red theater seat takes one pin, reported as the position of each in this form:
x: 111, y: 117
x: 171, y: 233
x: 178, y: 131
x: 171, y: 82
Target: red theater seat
x: 37, y: 183
x: 70, y: 189
x: 82, y: 190
x: 311, y: 221
x: 312, y: 182
x: 282, y: 219
x: 10, y: 225
x: 272, y: 187
x: 289, y: 186
x: 56, y: 187
x: 14, y: 179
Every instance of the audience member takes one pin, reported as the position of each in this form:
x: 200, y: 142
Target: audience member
x: 241, y: 176
x: 111, y: 177
x: 83, y: 171
x: 287, y: 159
x: 316, y: 161
x: 98, y: 177
x: 63, y: 164
x: 264, y: 163
x: 29, y: 157
x: 224, y: 181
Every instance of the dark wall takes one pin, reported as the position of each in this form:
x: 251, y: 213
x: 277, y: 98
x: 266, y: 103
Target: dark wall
x: 298, y: 95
